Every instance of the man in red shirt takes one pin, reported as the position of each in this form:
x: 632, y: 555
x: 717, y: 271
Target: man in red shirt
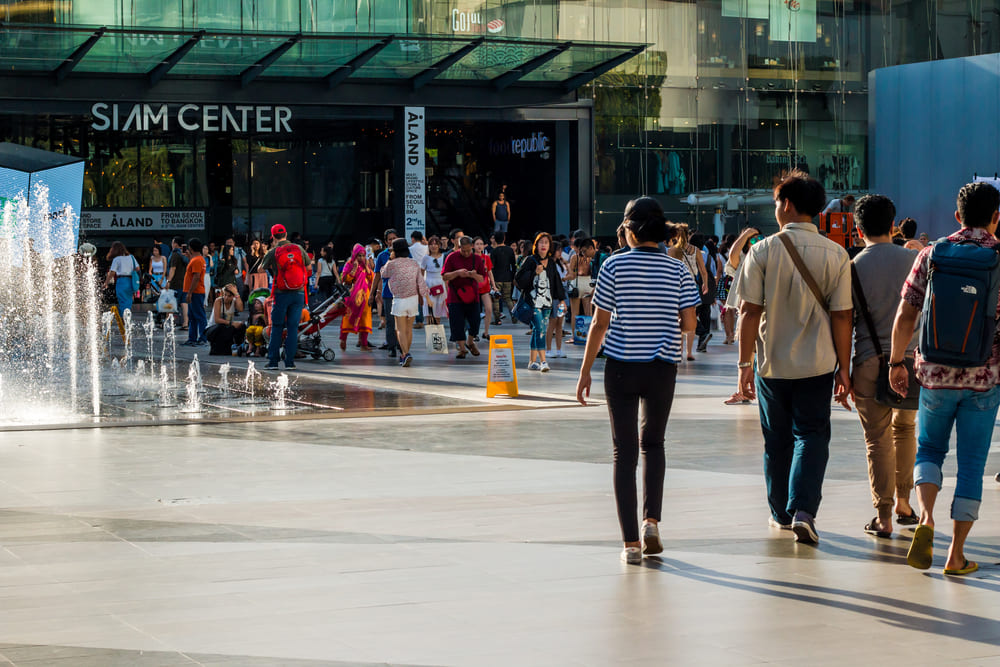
x: 194, y: 288
x: 462, y: 272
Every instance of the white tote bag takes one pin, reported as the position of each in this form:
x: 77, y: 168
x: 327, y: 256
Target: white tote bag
x: 437, y: 339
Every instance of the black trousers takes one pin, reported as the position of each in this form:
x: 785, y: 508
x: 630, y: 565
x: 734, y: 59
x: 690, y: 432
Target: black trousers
x: 704, y: 313
x: 639, y: 396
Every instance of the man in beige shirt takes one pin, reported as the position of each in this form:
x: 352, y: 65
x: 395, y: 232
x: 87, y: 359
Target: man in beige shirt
x: 803, y: 350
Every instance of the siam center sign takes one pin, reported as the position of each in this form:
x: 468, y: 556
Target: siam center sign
x: 240, y: 118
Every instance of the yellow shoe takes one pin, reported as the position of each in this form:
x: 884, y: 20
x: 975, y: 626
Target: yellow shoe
x: 921, y: 553
x: 969, y: 567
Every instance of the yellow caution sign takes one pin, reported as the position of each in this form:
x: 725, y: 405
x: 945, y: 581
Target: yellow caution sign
x: 502, y: 377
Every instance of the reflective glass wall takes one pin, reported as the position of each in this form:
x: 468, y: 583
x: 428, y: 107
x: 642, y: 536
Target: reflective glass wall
x: 728, y: 96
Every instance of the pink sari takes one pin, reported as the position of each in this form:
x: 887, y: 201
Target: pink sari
x: 358, y: 318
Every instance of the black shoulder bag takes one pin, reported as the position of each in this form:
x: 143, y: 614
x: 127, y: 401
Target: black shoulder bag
x: 884, y: 395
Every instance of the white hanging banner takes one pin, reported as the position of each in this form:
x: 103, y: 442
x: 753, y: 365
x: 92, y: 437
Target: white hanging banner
x: 414, y: 176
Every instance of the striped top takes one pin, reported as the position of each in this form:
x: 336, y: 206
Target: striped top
x: 644, y: 290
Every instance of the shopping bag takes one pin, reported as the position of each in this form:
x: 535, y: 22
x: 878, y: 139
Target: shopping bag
x: 580, y: 329
x: 167, y: 303
x: 437, y: 339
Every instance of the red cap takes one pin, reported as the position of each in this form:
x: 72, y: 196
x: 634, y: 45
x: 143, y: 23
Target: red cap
x: 277, y: 230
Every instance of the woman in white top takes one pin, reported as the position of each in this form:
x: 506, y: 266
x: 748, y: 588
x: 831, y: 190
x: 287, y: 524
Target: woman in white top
x: 431, y: 264
x: 158, y: 268
x: 682, y: 249
x: 120, y: 275
x: 326, y: 273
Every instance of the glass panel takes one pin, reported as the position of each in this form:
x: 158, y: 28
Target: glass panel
x: 129, y: 54
x: 330, y: 173
x: 491, y: 60
x: 225, y: 55
x: 404, y: 59
x: 173, y: 174
x: 38, y: 50
x: 276, y: 173
x: 576, y: 60
x: 318, y: 57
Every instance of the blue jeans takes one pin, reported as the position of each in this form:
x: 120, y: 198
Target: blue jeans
x: 973, y: 413
x: 124, y: 292
x: 197, y: 319
x: 285, y: 314
x: 539, y: 324
x: 795, y: 420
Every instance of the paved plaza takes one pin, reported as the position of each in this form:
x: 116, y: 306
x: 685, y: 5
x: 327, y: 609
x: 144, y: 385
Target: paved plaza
x: 478, y: 534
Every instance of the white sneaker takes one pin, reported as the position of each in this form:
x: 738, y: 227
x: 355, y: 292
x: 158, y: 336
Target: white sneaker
x: 651, y: 543
x: 631, y: 555
x: 558, y: 354
x: 533, y: 366
x: 544, y: 367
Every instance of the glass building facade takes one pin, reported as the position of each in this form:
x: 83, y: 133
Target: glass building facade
x: 726, y: 96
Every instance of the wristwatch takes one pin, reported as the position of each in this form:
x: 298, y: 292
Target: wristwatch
x: 744, y: 364
x: 897, y: 364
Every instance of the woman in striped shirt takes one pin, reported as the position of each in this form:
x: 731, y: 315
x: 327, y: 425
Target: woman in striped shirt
x: 643, y: 303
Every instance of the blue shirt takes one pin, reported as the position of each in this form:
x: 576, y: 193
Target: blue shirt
x: 644, y: 290
x: 380, y: 261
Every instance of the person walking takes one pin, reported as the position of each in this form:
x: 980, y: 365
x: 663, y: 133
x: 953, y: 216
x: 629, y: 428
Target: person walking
x: 880, y: 270
x: 194, y: 293
x: 359, y: 276
x: 431, y: 264
x: 227, y: 266
x: 487, y: 287
x: 383, y: 295
x: 641, y: 332
x: 326, y: 274
x: 966, y: 397
x: 539, y: 281
x: 175, y: 277
x: 463, y: 272
x: 409, y: 291
x: 504, y: 269
x: 289, y: 264
x: 120, y: 275
x: 682, y: 249
x: 795, y: 290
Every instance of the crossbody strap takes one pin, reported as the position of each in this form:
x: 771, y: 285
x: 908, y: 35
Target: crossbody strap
x: 803, y: 270
x: 859, y: 294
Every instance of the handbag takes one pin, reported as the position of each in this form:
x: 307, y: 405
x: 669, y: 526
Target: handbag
x: 572, y: 291
x: 436, y: 339
x: 884, y: 394
x: 523, y: 311
x: 436, y: 290
x: 136, y: 280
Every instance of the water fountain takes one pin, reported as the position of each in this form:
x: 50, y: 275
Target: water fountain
x: 64, y: 361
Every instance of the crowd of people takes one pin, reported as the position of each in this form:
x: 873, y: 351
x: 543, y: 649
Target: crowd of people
x: 814, y: 323
x: 918, y: 351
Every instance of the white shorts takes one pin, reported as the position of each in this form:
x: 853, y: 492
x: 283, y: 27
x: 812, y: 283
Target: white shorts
x: 406, y: 307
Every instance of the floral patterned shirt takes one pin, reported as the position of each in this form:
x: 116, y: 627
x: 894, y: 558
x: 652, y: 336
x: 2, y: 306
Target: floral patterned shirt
x: 938, y: 376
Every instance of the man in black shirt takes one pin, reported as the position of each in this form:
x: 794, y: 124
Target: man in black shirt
x: 504, y: 266
x: 176, y: 266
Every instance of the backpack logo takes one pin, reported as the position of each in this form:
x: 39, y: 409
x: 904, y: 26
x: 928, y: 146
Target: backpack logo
x: 969, y: 289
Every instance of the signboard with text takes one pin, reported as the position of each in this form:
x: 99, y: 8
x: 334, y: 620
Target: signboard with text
x: 142, y: 221
x: 414, y: 176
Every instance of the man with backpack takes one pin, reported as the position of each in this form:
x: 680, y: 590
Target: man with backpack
x: 953, y: 287
x: 795, y: 289
x: 289, y: 264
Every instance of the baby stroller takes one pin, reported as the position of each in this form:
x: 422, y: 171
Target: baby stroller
x: 310, y: 340
x: 313, y: 322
